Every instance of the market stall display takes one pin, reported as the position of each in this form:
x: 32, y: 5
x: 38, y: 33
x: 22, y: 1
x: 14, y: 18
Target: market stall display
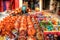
x: 22, y: 25
x: 36, y: 26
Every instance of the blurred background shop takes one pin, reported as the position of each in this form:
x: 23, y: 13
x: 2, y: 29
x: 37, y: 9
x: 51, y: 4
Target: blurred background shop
x: 49, y: 5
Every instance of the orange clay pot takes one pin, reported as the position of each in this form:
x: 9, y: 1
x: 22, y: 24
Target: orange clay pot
x: 16, y: 25
x: 30, y: 26
x: 19, y: 11
x: 31, y: 31
x: 54, y: 22
x: 22, y: 28
x: 22, y: 38
x: 31, y: 38
x: 16, y: 11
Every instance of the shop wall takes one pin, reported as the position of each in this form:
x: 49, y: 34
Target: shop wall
x: 8, y: 5
x: 1, y: 6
